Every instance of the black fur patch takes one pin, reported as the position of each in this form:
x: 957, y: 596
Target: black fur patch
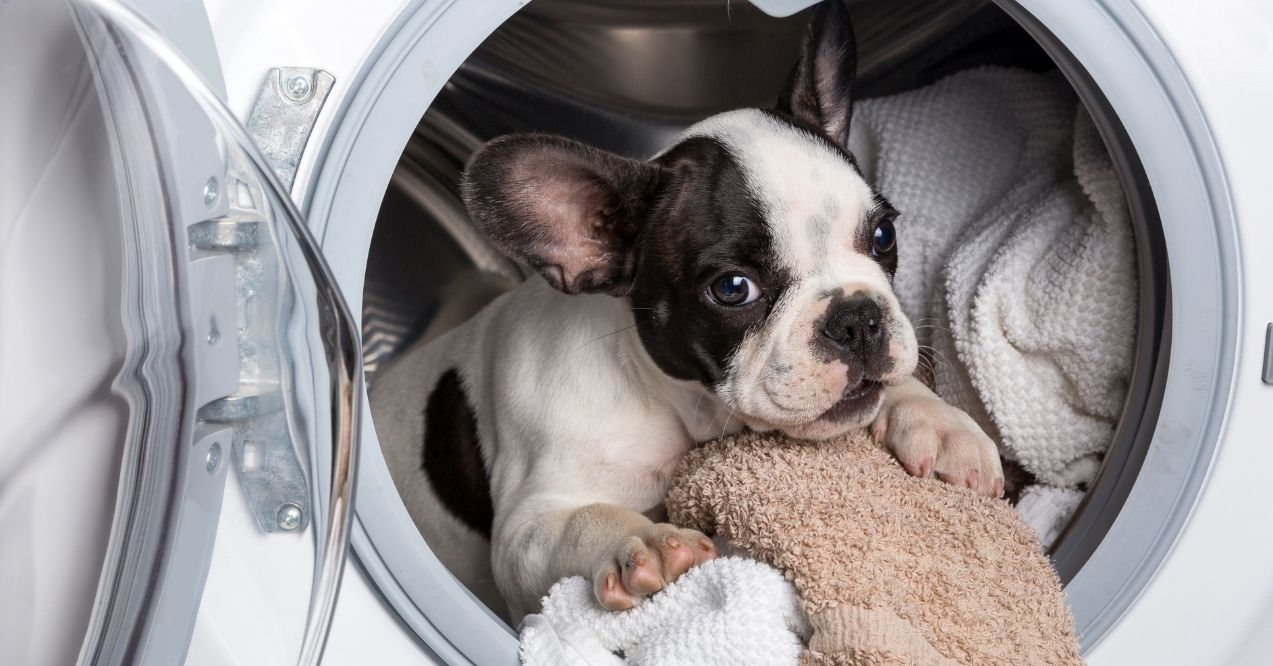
x: 453, y: 455
x: 704, y: 223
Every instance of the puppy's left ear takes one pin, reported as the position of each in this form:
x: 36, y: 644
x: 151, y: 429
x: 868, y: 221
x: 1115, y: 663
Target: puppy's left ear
x: 570, y: 211
x: 820, y: 90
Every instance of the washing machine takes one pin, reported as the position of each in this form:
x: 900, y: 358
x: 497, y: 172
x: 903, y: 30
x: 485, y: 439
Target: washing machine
x: 221, y: 218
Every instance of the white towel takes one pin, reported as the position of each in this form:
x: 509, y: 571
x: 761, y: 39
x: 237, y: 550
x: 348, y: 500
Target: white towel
x: 728, y: 611
x: 1046, y: 509
x: 1016, y: 258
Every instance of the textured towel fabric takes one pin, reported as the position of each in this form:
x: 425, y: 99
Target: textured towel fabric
x: 728, y: 611
x: 1016, y: 258
x: 1047, y: 509
x: 889, y: 568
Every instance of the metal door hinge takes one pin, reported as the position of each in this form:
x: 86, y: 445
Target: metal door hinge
x: 284, y: 114
x: 264, y: 454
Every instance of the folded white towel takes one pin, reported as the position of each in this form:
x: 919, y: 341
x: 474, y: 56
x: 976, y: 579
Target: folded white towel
x: 728, y: 611
x: 1016, y: 262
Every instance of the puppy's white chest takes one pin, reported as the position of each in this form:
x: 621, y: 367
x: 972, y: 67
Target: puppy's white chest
x: 637, y: 466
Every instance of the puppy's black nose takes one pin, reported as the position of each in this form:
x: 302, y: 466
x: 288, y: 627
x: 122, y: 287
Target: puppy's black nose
x: 856, y: 326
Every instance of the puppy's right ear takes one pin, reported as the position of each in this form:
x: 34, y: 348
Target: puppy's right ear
x: 570, y: 211
x: 820, y: 90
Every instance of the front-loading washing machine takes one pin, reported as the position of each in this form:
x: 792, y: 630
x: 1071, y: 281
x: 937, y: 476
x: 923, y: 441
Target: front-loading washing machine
x: 220, y: 216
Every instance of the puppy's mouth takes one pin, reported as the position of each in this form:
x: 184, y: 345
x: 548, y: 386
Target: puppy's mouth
x: 855, y: 399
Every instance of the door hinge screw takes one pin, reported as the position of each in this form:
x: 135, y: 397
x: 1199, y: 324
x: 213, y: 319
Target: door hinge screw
x: 289, y: 517
x: 298, y: 87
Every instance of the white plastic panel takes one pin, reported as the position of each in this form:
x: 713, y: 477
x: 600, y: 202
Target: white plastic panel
x: 1212, y: 600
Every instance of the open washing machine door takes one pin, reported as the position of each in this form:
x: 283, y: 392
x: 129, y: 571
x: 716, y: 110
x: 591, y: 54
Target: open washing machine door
x: 241, y: 373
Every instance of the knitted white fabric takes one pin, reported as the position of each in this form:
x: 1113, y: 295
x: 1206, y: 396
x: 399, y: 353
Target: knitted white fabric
x: 1016, y: 258
x: 728, y: 611
x: 1046, y: 509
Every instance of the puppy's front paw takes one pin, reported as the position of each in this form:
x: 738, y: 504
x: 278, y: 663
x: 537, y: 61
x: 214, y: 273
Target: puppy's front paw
x: 931, y: 438
x: 644, y: 562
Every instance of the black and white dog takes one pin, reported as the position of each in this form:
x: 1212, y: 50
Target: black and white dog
x: 741, y: 278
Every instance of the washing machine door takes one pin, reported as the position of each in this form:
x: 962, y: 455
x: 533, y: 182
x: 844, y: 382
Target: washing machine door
x: 241, y: 374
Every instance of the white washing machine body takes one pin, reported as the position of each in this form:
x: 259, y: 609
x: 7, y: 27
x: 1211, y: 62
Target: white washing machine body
x: 1181, y: 575
x: 1213, y: 589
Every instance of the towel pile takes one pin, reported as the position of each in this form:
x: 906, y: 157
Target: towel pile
x: 1017, y: 265
x: 887, y: 569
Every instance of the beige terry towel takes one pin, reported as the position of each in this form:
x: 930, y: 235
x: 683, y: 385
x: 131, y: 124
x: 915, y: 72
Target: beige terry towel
x: 889, y: 569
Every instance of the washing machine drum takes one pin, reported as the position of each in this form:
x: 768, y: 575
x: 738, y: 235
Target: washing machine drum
x: 219, y: 254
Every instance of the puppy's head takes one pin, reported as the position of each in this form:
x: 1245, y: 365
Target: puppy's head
x: 756, y: 258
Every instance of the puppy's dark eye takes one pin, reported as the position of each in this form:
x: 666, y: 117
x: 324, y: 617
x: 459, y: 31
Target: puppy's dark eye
x: 733, y: 289
x: 885, y: 238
